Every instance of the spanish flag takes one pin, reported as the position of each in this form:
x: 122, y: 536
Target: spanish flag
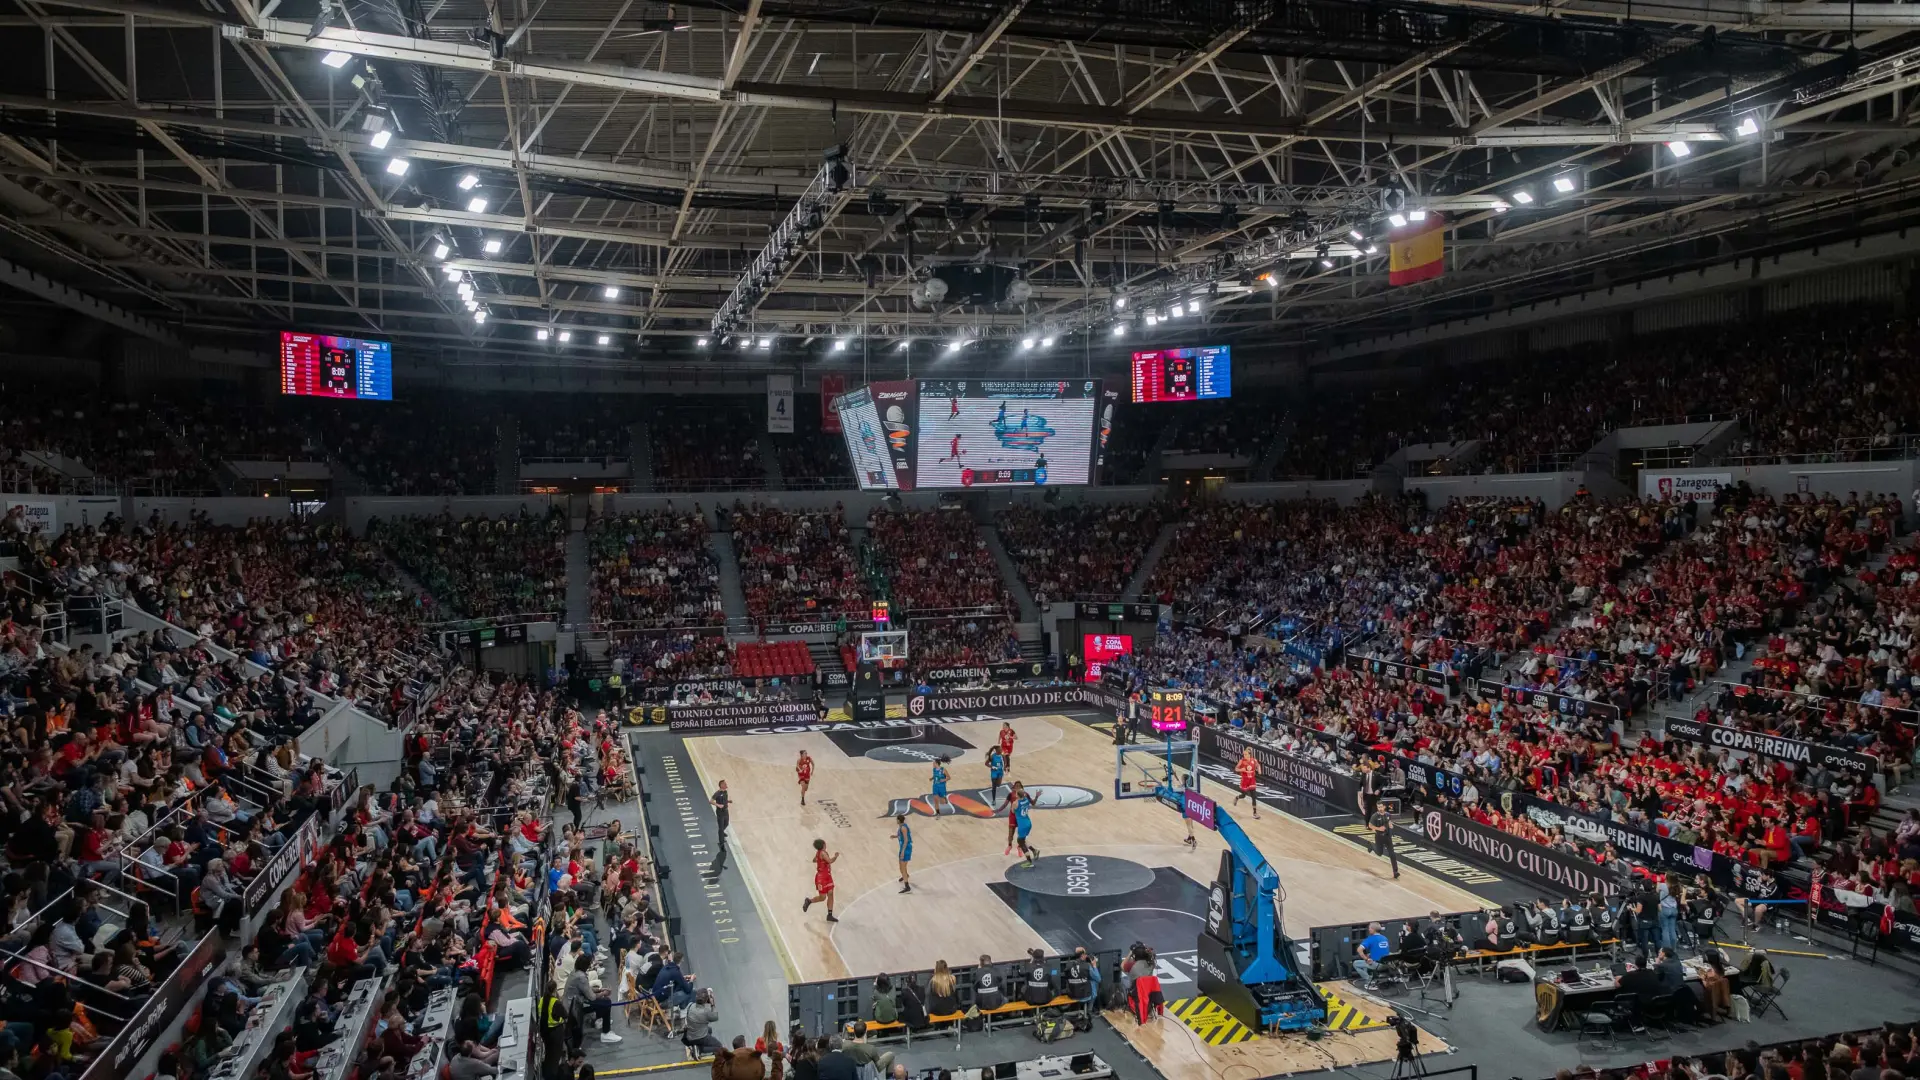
x: 1420, y: 254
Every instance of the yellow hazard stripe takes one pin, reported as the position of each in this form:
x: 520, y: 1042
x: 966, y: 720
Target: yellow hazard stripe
x: 1214, y: 1025
x: 1345, y: 1016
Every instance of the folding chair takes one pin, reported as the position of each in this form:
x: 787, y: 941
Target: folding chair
x: 1763, y: 998
x: 647, y: 1015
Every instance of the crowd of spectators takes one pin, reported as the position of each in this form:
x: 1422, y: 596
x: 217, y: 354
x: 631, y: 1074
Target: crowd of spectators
x: 1243, y: 426
x: 966, y: 641
x: 936, y: 559
x: 308, y: 600
x: 482, y: 566
x: 1081, y: 551
x: 441, y: 444
x: 811, y: 457
x: 705, y: 444
x: 1136, y: 430
x: 653, y: 658
x: 578, y: 426
x: 653, y: 566
x: 795, y: 562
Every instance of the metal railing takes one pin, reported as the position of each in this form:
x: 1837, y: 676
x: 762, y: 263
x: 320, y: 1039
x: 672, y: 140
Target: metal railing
x: 1848, y: 450
x: 730, y: 483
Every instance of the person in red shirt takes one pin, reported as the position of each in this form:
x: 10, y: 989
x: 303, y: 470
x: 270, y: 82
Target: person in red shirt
x: 804, y: 770
x: 1249, y: 771
x: 1006, y: 744
x: 822, y: 879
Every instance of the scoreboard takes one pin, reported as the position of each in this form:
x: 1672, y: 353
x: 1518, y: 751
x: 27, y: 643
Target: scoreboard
x: 322, y: 365
x: 1167, y: 710
x: 1200, y: 373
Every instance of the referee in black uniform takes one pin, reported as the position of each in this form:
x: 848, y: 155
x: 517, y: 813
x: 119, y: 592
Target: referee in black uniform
x: 1382, y: 826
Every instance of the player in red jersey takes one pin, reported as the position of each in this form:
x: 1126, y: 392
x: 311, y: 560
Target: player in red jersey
x: 1006, y: 744
x: 1014, y: 794
x: 953, y: 407
x: 822, y: 878
x: 804, y: 770
x: 953, y: 450
x: 1249, y: 771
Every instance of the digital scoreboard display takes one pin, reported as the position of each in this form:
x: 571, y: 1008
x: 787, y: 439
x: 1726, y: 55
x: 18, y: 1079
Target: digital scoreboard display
x: 1168, y: 710
x: 320, y: 365
x: 1005, y: 433
x: 865, y: 432
x: 1200, y: 373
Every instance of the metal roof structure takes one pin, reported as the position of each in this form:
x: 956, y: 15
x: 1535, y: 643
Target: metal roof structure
x: 470, y: 178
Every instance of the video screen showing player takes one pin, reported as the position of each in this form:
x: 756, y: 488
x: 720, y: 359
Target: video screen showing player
x: 985, y: 434
x: 866, y: 441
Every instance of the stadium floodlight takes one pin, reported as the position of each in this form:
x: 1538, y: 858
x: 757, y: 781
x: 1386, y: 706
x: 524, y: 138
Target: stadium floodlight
x: 1326, y: 264
x: 1523, y: 196
x: 441, y: 250
x: 469, y: 182
x: 955, y: 344
x: 566, y: 335
x: 1356, y: 234
x: 1119, y: 329
x: 465, y: 290
x: 1178, y: 310
x: 337, y: 59
x: 454, y: 273
x: 701, y: 343
x: 1046, y: 343
x: 905, y: 343
x: 480, y: 315
x: 840, y: 345
x: 1416, y: 216
x: 1748, y: 127
x: 1193, y: 306
x: 1564, y: 183
x: 1152, y: 319
x: 1501, y: 207
x: 1398, y: 221
x: 491, y: 247
x: 476, y: 205
x: 399, y: 166
x: 542, y: 334
x: 611, y: 292
x: 1679, y: 148
x: 1373, y: 249
x: 604, y: 339
x: 1026, y: 343
x: 766, y: 343
x: 1119, y: 303
x: 472, y: 304
x: 381, y: 138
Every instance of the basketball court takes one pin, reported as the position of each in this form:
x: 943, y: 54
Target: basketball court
x: 1111, y: 872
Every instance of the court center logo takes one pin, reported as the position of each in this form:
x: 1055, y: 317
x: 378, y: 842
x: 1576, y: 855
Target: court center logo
x: 984, y: 803
x: 1434, y: 825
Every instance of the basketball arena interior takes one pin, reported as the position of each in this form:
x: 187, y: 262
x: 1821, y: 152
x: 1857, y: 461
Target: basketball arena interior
x: 1397, y: 517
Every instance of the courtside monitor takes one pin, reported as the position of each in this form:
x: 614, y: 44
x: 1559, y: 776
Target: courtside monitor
x: 321, y: 365
x: 1200, y: 373
x: 1005, y: 433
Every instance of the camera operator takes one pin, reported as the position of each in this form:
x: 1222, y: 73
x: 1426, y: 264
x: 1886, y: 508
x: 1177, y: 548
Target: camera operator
x: 701, y: 1016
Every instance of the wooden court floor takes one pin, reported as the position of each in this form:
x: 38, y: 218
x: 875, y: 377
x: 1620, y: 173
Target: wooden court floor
x: 954, y: 912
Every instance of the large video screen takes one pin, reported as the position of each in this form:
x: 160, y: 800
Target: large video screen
x: 1100, y: 648
x: 320, y: 365
x: 866, y: 437
x: 1193, y: 374
x: 1004, y: 433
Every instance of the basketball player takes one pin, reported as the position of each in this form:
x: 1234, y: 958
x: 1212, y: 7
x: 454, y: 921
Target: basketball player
x: 822, y: 878
x: 1249, y: 771
x: 953, y: 407
x: 904, y: 835
x: 804, y: 770
x: 1024, y: 825
x: 996, y: 770
x: 1014, y: 795
x: 953, y: 450
x: 940, y: 786
x: 1006, y: 743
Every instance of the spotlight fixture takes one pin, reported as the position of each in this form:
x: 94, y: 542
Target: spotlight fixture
x: 954, y: 345
x: 491, y: 247
x: 766, y: 343
x: 453, y: 273
x: 480, y: 315
x: 1026, y: 343
x: 1564, y: 184
x: 476, y: 205
x: 1501, y: 207
x: 840, y: 345
x: 1193, y: 305
x: 1326, y: 264
x: 472, y: 304
x: 1416, y: 216
x: 603, y: 339
x: 468, y: 182
x: 1398, y: 221
x: 1152, y: 319
x: 611, y: 292
x: 337, y: 60
x: 381, y: 138
x: 398, y: 166
x: 701, y: 343
x: 541, y: 334
x: 566, y: 335
x: 1178, y: 310
x: 441, y: 250
x: 465, y: 290
x: 1119, y: 303
x: 1523, y: 197
x: 1046, y: 343
x: 1357, y: 235
x: 1679, y: 148
x: 905, y: 343
x: 1119, y: 329
x: 1748, y: 127
x: 1370, y: 249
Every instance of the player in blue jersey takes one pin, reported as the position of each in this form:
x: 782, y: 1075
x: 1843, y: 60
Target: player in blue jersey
x: 904, y: 835
x: 996, y: 769
x: 1022, y: 826
x: 940, y: 785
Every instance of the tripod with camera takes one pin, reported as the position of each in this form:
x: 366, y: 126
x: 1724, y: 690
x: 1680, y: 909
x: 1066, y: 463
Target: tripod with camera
x: 1406, y: 1056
